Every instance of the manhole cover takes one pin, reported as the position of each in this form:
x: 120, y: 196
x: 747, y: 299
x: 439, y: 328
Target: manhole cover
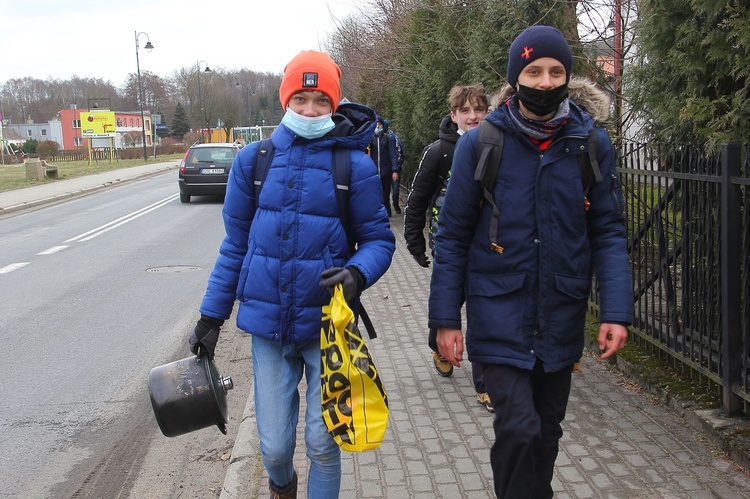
x: 174, y: 269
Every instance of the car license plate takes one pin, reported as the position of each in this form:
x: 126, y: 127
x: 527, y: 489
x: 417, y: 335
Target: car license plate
x: 212, y: 171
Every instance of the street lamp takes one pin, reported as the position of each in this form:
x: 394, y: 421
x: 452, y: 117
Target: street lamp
x: 200, y: 96
x: 246, y: 101
x: 148, y: 47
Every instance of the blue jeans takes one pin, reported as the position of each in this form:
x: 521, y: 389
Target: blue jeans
x: 277, y: 372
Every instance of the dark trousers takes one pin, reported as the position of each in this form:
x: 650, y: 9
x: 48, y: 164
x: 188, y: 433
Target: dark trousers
x: 385, y: 183
x: 529, y: 407
x: 395, y: 188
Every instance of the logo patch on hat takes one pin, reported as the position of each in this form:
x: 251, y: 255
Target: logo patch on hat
x: 309, y: 80
x: 527, y: 52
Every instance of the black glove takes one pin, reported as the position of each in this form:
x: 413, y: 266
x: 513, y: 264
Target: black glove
x: 422, y: 259
x: 350, y: 278
x: 204, y: 337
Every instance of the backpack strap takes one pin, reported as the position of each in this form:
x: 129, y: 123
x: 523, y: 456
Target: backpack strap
x: 262, y: 163
x: 342, y: 175
x: 490, y: 146
x: 446, y: 158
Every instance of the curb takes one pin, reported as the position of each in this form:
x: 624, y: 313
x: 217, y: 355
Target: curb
x: 245, y: 470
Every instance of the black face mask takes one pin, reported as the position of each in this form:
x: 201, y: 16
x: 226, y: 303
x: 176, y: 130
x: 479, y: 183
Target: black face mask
x: 542, y: 102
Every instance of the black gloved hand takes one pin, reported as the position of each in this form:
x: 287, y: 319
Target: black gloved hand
x: 422, y: 259
x: 350, y: 278
x: 204, y: 337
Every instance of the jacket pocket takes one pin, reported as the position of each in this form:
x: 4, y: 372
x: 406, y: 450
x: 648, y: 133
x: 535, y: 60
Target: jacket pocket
x: 567, y: 314
x: 241, y: 282
x: 495, y: 306
x: 616, y: 194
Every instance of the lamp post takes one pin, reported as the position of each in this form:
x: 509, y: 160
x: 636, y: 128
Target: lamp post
x: 200, y: 96
x: 148, y: 47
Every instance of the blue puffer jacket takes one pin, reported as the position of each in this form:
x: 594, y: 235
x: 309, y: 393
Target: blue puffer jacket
x: 530, y: 301
x: 272, y: 257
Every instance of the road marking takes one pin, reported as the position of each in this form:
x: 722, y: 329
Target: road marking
x: 86, y: 236
x: 52, y: 250
x: 13, y: 266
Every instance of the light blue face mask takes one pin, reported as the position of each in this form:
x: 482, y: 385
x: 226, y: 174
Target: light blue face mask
x: 307, y: 126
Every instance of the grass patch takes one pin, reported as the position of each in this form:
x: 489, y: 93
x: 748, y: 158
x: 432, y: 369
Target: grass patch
x: 14, y: 176
x: 656, y: 374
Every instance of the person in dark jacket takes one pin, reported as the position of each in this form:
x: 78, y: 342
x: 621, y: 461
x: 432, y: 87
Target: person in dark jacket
x: 285, y: 250
x: 400, y: 157
x: 468, y: 107
x: 526, y: 296
x: 384, y: 155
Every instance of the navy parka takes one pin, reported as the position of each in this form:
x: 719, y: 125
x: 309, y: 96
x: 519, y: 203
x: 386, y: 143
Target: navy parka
x: 530, y: 301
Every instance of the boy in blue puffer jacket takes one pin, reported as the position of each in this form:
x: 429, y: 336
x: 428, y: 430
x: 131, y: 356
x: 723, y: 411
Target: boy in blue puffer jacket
x: 284, y: 251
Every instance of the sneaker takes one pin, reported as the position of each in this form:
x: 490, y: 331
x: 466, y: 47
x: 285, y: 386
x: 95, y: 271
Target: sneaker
x: 484, y: 399
x: 442, y: 366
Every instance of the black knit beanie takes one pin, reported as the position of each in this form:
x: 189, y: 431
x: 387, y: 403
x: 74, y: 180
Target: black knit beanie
x: 534, y: 43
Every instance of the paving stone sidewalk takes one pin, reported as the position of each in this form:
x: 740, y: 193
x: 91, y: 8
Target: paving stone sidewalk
x: 619, y: 441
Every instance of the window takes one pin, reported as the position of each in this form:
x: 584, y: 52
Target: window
x: 78, y: 142
x: 28, y: 133
x: 44, y: 132
x: 76, y: 123
x: 131, y: 122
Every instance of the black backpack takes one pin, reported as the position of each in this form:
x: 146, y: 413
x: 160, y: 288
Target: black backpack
x: 490, y: 145
x: 342, y: 172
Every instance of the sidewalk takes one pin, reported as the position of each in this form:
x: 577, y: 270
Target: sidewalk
x: 51, y: 192
x: 619, y: 441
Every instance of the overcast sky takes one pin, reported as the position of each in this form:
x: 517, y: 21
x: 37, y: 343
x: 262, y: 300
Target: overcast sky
x: 96, y: 39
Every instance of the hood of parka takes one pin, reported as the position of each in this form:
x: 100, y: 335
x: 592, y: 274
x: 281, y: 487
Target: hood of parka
x: 354, y: 121
x: 448, y: 129
x: 588, y: 95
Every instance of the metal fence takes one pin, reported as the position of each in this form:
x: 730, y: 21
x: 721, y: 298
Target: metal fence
x: 688, y: 234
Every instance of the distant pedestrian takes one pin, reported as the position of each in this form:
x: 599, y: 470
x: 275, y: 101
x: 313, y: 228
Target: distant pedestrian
x: 281, y: 254
x: 384, y: 155
x: 468, y: 107
x: 526, y: 290
x: 400, y: 157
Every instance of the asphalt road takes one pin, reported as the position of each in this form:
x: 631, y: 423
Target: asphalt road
x: 94, y: 292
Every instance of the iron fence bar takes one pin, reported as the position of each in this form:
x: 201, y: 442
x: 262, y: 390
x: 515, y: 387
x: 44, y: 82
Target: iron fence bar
x: 730, y: 278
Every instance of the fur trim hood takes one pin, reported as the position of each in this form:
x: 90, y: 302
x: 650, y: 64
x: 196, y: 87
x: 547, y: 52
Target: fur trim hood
x: 591, y: 98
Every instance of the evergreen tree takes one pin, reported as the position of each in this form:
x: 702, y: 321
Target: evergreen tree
x: 693, y: 80
x: 402, y: 57
x: 180, y: 123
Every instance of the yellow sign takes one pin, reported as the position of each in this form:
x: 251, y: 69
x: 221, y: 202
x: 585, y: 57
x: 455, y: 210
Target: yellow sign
x: 97, y: 124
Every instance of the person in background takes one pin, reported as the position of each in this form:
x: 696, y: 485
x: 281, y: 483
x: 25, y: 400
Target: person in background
x: 284, y: 251
x: 468, y: 107
x: 400, y: 157
x: 384, y: 155
x: 526, y: 292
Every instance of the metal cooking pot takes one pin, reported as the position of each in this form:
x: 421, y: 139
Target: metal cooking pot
x: 188, y: 395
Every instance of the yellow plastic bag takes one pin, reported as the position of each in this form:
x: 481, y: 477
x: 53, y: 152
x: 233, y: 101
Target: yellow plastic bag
x: 355, y: 407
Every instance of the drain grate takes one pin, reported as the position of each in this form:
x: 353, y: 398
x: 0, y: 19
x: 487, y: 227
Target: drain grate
x: 174, y: 269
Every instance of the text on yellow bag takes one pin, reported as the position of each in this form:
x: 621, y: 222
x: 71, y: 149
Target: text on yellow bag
x: 355, y: 407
